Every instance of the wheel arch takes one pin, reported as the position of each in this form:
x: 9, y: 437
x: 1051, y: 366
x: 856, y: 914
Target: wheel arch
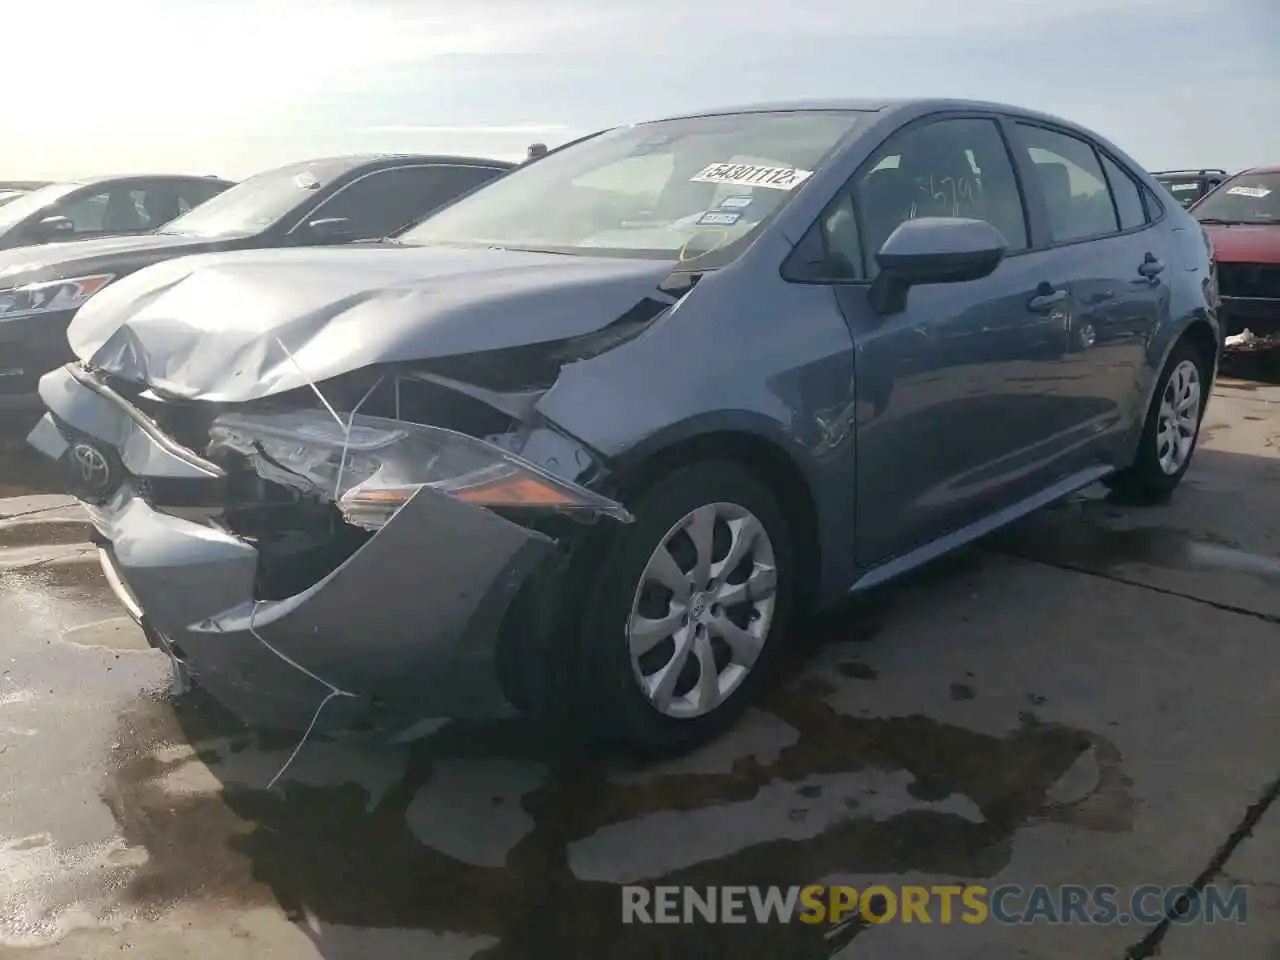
x: 1202, y: 335
x: 758, y: 445
x: 539, y: 618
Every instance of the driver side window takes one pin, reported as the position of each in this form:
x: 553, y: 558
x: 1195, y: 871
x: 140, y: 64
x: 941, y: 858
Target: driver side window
x: 87, y: 214
x: 944, y: 168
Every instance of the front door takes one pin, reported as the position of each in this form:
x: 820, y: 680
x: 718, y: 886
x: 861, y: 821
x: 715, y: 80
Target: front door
x: 953, y: 419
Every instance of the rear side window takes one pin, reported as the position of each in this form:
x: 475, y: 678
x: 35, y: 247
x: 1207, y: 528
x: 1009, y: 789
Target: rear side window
x: 1128, y: 196
x: 192, y: 193
x: 1072, y: 183
x: 427, y: 188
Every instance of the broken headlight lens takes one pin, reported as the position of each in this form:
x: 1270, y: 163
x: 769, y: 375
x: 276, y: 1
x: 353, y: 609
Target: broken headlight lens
x: 373, y: 468
x: 51, y: 296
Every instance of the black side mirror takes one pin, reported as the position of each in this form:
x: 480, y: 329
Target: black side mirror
x: 329, y: 230
x: 933, y: 250
x: 53, y: 227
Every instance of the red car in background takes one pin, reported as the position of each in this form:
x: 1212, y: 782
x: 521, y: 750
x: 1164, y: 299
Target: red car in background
x: 1242, y: 219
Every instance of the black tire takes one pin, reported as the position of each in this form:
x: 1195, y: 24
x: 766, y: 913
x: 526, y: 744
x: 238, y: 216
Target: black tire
x: 609, y: 686
x: 1145, y: 481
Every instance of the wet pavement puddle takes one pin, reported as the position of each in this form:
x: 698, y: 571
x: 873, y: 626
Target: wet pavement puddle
x: 1097, y: 538
x: 565, y: 827
x: 514, y: 834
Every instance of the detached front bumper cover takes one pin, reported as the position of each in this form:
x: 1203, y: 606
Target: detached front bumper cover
x: 411, y: 617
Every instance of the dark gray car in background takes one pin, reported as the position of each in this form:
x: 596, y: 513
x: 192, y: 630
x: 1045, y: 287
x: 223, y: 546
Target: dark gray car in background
x: 591, y: 437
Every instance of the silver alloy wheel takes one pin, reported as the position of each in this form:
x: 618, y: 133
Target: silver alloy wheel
x: 1088, y: 335
x: 1179, y: 417
x: 702, y: 610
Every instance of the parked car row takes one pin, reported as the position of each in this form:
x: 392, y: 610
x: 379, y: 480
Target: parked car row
x: 1241, y: 214
x: 1242, y: 218
x: 123, y: 225
x: 591, y: 436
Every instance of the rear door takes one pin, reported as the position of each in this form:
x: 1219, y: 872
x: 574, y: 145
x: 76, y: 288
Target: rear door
x: 1103, y: 233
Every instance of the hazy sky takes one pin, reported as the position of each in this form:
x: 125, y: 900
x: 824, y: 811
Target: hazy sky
x: 233, y: 86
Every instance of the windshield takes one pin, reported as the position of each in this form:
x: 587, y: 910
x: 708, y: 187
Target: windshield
x: 1186, y: 190
x: 674, y: 189
x: 24, y: 205
x: 1245, y: 198
x: 253, y: 205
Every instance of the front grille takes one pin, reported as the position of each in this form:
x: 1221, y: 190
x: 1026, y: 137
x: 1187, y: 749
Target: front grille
x: 1253, y: 280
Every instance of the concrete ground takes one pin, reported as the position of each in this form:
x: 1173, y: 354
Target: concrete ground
x: 1091, y: 697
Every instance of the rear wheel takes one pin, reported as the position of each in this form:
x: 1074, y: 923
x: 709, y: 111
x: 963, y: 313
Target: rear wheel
x: 689, y: 609
x: 1171, y: 429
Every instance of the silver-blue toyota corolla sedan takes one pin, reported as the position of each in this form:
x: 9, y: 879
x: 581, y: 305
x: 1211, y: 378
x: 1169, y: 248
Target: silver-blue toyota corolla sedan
x: 591, y: 437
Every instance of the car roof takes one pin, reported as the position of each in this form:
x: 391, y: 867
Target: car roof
x: 1266, y: 169
x: 114, y: 177
x: 358, y: 159
x: 371, y: 159
x: 912, y: 105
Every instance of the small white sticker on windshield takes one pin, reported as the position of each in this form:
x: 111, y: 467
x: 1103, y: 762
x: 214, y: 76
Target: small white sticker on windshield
x: 1184, y: 187
x: 749, y: 174
x: 1257, y: 193
x: 719, y: 218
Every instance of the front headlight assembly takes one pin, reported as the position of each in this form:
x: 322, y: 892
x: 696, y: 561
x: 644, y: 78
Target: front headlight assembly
x: 49, y: 296
x: 376, y: 466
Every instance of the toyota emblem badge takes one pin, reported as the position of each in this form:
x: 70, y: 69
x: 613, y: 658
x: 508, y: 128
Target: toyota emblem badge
x: 90, y: 468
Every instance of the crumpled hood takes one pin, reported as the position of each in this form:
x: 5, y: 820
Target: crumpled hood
x: 72, y: 257
x: 232, y: 327
x: 1244, y: 243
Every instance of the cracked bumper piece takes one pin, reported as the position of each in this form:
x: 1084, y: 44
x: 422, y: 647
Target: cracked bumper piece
x: 408, y: 623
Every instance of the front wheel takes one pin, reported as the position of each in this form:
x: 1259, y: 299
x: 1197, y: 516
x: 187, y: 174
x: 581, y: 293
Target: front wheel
x: 689, y: 609
x: 1171, y: 429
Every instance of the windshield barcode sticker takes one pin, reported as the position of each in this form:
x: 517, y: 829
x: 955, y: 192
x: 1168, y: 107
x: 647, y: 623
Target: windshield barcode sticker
x: 1257, y: 193
x: 751, y: 175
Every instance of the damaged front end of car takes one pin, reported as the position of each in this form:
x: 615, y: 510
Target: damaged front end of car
x: 391, y: 539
